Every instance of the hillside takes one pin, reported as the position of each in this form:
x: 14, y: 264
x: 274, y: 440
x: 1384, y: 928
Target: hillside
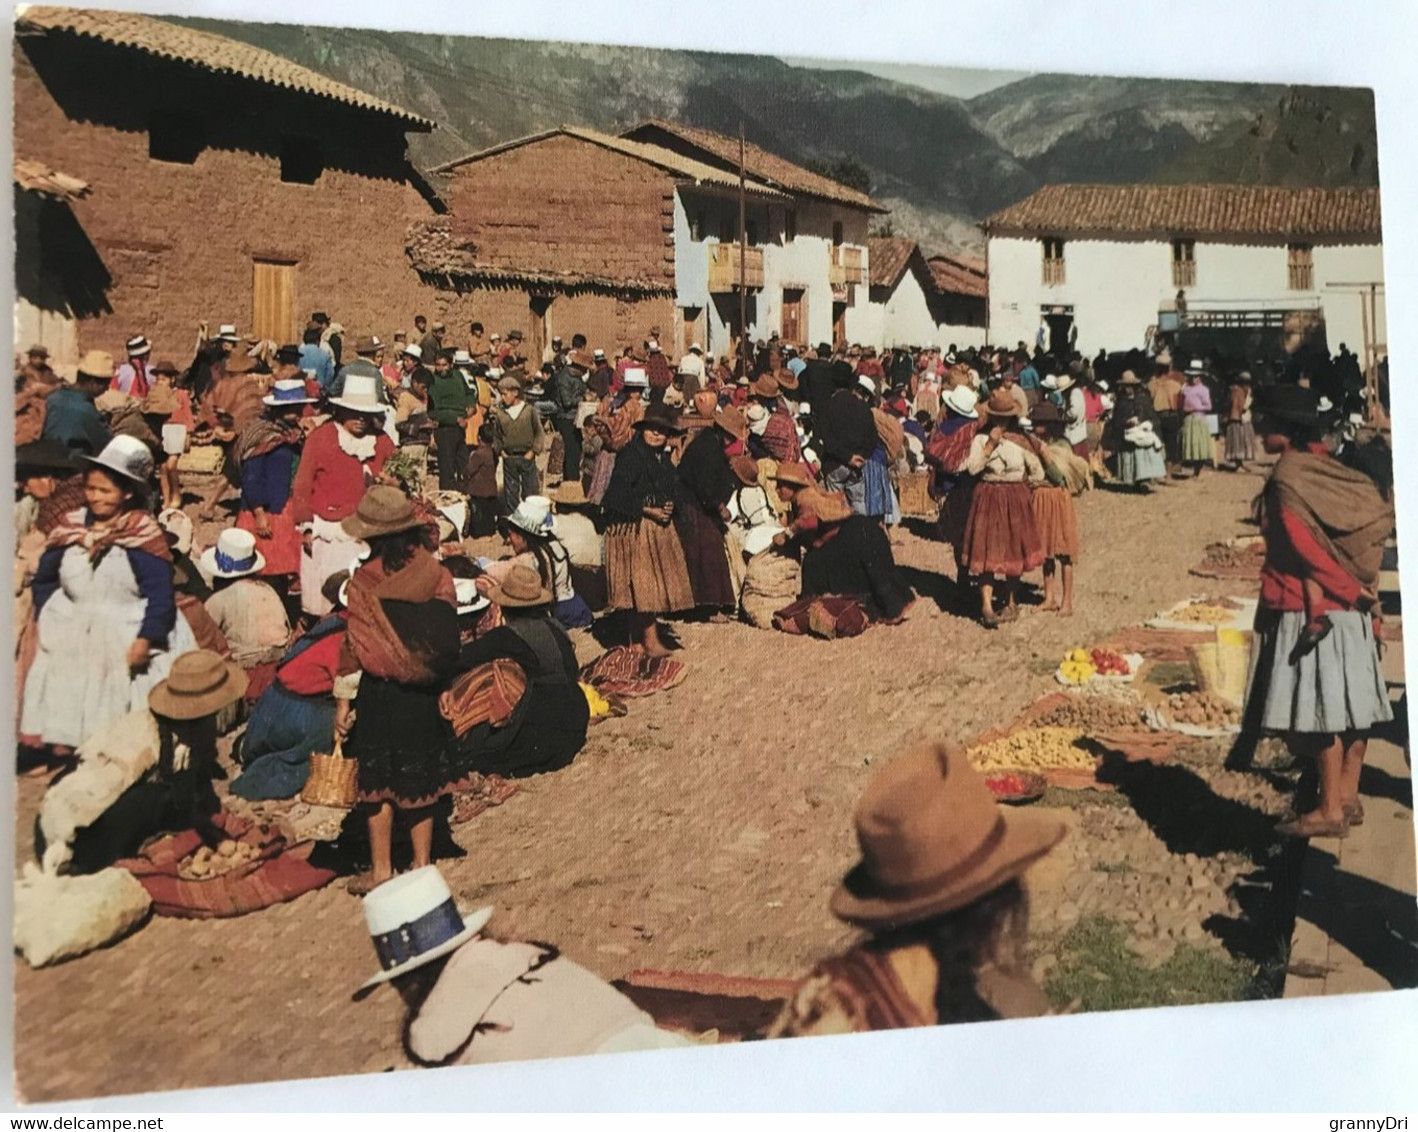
x: 938, y: 162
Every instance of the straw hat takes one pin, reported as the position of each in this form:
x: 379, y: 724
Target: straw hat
x: 961, y: 400
x: 226, y: 332
x: 96, y: 365
x: 765, y: 385
x: 934, y: 840
x: 745, y: 468
x: 635, y: 378
x: 1001, y: 404
x: 521, y: 589
x: 199, y: 683
x: 234, y: 556
x: 470, y: 599
x: 125, y: 456
x: 384, y: 510
x: 1128, y: 378
x: 795, y: 474
x: 732, y: 421
x: 413, y: 920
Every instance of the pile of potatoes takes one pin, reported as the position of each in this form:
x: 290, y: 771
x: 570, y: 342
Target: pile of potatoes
x: 1202, y: 709
x: 207, y: 862
x: 1202, y: 613
x: 1036, y: 748
x: 1091, y: 714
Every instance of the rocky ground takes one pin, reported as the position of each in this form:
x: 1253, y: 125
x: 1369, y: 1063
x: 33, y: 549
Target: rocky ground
x: 704, y: 831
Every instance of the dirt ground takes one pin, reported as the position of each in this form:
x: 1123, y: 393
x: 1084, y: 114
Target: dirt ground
x: 702, y: 832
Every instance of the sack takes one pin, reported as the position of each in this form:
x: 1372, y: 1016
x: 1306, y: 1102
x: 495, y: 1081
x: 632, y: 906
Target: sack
x: 488, y: 693
x: 333, y: 781
x: 771, y: 580
x: 829, y: 617
x: 916, y: 501
x: 202, y: 459
x: 62, y: 917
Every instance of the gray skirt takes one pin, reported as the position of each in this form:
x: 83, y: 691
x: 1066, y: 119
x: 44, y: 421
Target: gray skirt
x: 1334, y: 688
x: 1141, y: 464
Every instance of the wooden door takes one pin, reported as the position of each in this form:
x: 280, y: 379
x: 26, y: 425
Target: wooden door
x: 839, y: 325
x: 794, y: 314
x: 273, y: 301
x: 540, y: 335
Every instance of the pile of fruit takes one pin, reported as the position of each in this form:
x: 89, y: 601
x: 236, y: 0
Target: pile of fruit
x: 1202, y: 709
x: 1110, y: 663
x: 1036, y: 748
x: 1081, y: 665
x: 1014, y: 785
x: 207, y: 862
x: 1091, y: 713
x: 1202, y: 613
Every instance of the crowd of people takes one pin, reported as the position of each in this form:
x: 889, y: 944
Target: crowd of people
x: 345, y: 602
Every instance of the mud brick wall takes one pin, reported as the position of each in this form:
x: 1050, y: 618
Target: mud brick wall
x: 162, y: 246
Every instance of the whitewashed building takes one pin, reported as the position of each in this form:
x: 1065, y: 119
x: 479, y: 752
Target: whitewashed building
x: 1104, y: 263
x: 917, y: 302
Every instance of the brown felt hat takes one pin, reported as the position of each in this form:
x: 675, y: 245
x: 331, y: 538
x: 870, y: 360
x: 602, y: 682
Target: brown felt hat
x: 732, y: 421
x: 795, y: 474
x: 746, y: 469
x: 164, y: 367
x: 198, y: 684
x: 933, y: 840
x: 1001, y: 404
x: 765, y: 386
x: 522, y: 588
x: 662, y: 418
x: 787, y: 379
x: 384, y: 510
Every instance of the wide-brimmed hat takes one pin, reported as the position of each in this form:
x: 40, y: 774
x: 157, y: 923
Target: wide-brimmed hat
x: 38, y: 351
x: 461, y: 357
x: 234, y: 556
x: 360, y: 394
x: 1045, y: 412
x: 413, y: 920
x: 1291, y: 403
x: 533, y: 516
x: 226, y: 332
x: 1065, y: 382
x: 570, y: 494
x: 43, y: 456
x: 635, y: 378
x: 96, y: 365
x: 138, y: 346
x: 291, y: 392
x: 795, y: 474
x: 933, y: 840
x: 1001, y: 404
x: 732, y: 421
x: 598, y: 354
x: 864, y: 382
x: 199, y: 683
x: 384, y: 510
x: 580, y: 359
x: 521, y: 589
x: 1242, y: 378
x: 368, y: 344
x: 334, y: 588
x: 787, y: 379
x: 161, y: 401
x: 125, y: 456
x: 765, y: 385
x: 662, y: 418
x: 961, y: 400
x: 1196, y: 366
x: 1129, y: 378
x: 165, y: 367
x: 745, y: 469
x: 470, y: 598
x: 413, y: 350
x: 178, y: 525
x: 288, y: 355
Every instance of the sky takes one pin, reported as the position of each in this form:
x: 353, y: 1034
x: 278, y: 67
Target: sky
x: 958, y: 81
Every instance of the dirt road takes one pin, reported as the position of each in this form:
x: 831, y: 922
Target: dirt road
x: 702, y: 832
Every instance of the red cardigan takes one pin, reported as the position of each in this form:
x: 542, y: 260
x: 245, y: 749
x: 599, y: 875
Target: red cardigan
x: 329, y: 483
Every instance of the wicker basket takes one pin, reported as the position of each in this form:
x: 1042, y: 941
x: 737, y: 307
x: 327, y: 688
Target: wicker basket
x: 916, y: 501
x: 1222, y: 666
x: 333, y: 780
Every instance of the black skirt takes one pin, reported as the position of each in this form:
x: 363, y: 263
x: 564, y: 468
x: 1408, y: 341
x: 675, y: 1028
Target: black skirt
x: 407, y: 751
x: 857, y: 561
x: 547, y: 730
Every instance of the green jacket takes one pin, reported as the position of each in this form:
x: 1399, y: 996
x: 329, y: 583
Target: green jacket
x: 449, y: 399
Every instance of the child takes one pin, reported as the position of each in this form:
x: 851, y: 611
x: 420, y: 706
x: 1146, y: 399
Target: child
x: 246, y: 609
x: 1054, y: 513
x: 480, y: 485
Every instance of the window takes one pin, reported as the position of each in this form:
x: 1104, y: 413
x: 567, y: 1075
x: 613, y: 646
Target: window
x: 837, y: 233
x: 751, y: 229
x: 727, y: 232
x: 1302, y: 267
x: 175, y: 137
x: 790, y: 225
x: 301, y: 161
x: 696, y: 226
x: 1183, y: 263
x: 1053, y: 261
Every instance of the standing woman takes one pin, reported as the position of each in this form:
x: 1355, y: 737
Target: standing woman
x: 1133, y: 436
x: 1001, y: 541
x: 1315, y: 676
x: 948, y: 451
x: 645, y: 564
x: 709, y: 481
x: 614, y: 423
x: 342, y: 458
x: 1196, y: 443
x: 1054, y: 513
x: 1240, y: 434
x: 401, y: 644
x: 266, y: 454
x: 108, y: 629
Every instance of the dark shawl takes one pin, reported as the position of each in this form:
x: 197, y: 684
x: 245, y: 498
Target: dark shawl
x: 642, y: 477
x: 1339, y: 505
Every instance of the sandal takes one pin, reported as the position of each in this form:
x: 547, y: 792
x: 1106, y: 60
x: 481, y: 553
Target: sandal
x: 1311, y: 825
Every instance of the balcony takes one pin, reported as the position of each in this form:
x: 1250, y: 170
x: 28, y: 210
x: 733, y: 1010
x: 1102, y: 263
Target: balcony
x: 724, y: 268
x: 846, y: 266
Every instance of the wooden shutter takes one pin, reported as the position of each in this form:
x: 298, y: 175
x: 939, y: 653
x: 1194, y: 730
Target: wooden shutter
x: 273, y: 301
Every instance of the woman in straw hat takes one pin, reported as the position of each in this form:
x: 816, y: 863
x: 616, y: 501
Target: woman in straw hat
x: 1196, y: 446
x: 400, y: 648
x: 267, y: 454
x: 842, y: 553
x: 341, y: 459
x: 708, y: 482
x: 1315, y: 675
x: 938, y: 889
x: 1054, y: 512
x: 547, y: 728
x: 530, y: 533
x: 165, y: 753
x: 1135, y: 463
x: 108, y: 628
x: 1001, y: 539
x: 645, y: 558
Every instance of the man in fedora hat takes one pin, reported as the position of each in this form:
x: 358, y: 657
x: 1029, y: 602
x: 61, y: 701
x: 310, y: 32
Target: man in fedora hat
x: 365, y: 362
x: 69, y: 413
x: 938, y: 888
x: 566, y: 391
x: 450, y: 404
x: 517, y: 439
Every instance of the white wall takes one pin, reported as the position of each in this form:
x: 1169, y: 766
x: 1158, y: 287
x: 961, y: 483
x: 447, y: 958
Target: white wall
x: 1344, y: 321
x: 1117, y: 287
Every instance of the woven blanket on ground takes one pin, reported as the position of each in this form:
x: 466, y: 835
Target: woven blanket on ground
x: 828, y: 617
x: 1167, y: 646
x: 488, y: 693
x: 627, y: 671
x: 484, y: 791
x: 277, y: 875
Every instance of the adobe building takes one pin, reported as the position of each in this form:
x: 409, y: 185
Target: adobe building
x: 174, y: 177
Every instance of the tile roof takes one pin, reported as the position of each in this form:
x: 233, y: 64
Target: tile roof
x: 758, y: 162
x: 210, y: 52
x: 39, y: 178
x: 888, y: 258
x: 1193, y: 210
x: 668, y: 160
x: 435, y: 249
x: 959, y: 275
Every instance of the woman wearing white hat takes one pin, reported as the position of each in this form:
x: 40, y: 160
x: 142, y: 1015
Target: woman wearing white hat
x: 247, y: 610
x: 614, y: 423
x: 473, y: 1000
x: 107, y: 619
x: 530, y: 532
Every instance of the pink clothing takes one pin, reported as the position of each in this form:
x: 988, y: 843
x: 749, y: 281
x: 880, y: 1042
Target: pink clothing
x: 1196, y: 398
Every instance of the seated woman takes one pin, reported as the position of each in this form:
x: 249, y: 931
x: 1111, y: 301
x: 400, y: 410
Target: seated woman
x: 530, y: 532
x: 295, y: 716
x: 548, y: 727
x: 843, y: 553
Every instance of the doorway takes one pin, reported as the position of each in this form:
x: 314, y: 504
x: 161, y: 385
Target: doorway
x: 794, y: 319
x: 1060, y: 323
x: 273, y: 301
x: 839, y: 325
x: 539, y: 335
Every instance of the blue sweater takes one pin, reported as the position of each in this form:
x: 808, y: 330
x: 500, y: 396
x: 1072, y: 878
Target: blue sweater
x: 266, y: 480
x: 154, y: 576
